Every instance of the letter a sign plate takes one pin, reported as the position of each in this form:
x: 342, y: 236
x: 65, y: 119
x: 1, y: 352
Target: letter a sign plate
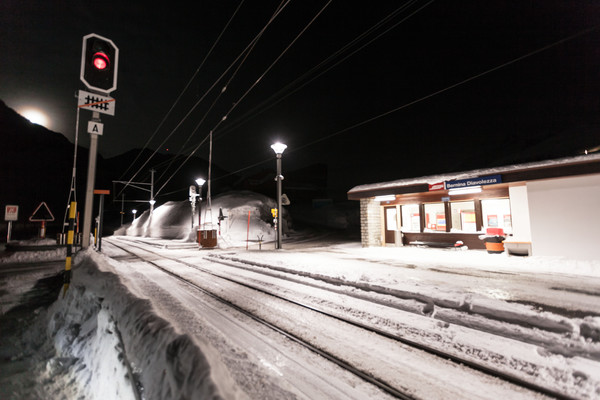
x: 95, y: 128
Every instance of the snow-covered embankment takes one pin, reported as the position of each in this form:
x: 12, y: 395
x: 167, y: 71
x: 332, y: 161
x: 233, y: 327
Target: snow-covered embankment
x: 111, y: 344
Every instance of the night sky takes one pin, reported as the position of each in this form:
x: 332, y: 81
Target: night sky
x: 379, y: 90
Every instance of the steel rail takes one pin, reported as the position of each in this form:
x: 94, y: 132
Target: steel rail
x: 428, y: 349
x: 381, y: 384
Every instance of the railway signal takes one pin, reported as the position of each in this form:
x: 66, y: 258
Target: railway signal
x: 99, y: 63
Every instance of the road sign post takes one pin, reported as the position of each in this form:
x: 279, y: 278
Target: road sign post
x: 42, y: 214
x: 11, y: 213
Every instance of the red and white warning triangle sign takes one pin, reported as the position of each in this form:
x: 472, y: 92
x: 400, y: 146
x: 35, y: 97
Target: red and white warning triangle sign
x: 42, y: 213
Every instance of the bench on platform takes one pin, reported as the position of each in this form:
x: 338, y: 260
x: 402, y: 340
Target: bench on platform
x: 439, y: 245
x: 518, y: 248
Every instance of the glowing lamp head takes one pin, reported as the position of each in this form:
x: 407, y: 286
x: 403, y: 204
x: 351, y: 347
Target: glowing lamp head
x: 278, y: 148
x: 100, y: 61
x: 200, y: 181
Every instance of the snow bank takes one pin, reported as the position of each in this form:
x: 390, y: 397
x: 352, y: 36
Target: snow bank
x: 173, y: 220
x: 235, y: 229
x: 102, y: 333
x: 52, y: 253
x: 167, y: 221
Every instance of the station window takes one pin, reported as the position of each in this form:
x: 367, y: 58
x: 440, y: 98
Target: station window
x: 435, y: 217
x: 411, y: 218
x: 496, y: 214
x: 463, y: 216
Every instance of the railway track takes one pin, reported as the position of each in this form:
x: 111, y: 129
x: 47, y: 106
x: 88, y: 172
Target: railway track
x: 380, y: 383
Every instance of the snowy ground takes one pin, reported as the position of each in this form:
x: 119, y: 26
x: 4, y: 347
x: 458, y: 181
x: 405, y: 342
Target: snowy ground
x: 117, y: 334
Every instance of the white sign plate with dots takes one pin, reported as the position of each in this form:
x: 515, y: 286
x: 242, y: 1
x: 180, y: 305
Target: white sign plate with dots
x: 95, y: 102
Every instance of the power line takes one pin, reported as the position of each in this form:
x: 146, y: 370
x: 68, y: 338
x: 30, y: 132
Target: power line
x: 331, y: 57
x: 178, y: 99
x: 249, y: 48
x: 369, y: 120
x: 273, y: 99
x: 534, y: 52
x: 249, y: 90
x: 250, y: 45
x: 247, y: 52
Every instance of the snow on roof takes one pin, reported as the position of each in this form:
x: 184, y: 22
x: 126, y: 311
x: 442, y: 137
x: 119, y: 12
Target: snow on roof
x: 431, y: 179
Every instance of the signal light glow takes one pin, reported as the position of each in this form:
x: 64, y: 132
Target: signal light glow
x: 100, y: 61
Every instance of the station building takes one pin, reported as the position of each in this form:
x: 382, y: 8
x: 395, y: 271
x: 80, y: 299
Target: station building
x: 548, y: 208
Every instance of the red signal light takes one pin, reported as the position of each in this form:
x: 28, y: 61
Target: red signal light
x: 100, y: 61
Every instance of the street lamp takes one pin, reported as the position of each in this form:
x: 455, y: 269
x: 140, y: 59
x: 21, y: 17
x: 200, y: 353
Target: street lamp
x: 278, y: 148
x: 194, y: 195
x: 134, y: 211
x: 200, y: 182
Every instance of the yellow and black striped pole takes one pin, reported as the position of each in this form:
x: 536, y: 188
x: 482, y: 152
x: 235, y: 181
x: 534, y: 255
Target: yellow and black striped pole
x: 67, y: 276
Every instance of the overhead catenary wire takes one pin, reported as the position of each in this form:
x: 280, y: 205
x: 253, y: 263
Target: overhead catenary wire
x: 379, y: 24
x: 453, y: 86
x: 329, y: 58
x: 277, y: 12
x: 423, y: 98
x: 382, y: 22
x: 235, y: 104
x: 179, y: 98
x: 248, y: 48
x: 247, y: 51
x: 281, y: 94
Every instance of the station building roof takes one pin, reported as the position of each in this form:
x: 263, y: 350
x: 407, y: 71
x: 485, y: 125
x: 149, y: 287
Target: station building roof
x: 557, y: 168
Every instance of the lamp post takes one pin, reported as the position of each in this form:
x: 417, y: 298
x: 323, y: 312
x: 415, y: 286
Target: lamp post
x: 200, y: 182
x: 134, y: 212
x: 152, y: 201
x: 192, y: 199
x: 278, y: 148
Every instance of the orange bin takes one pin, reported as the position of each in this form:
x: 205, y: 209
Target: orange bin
x: 494, y: 239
